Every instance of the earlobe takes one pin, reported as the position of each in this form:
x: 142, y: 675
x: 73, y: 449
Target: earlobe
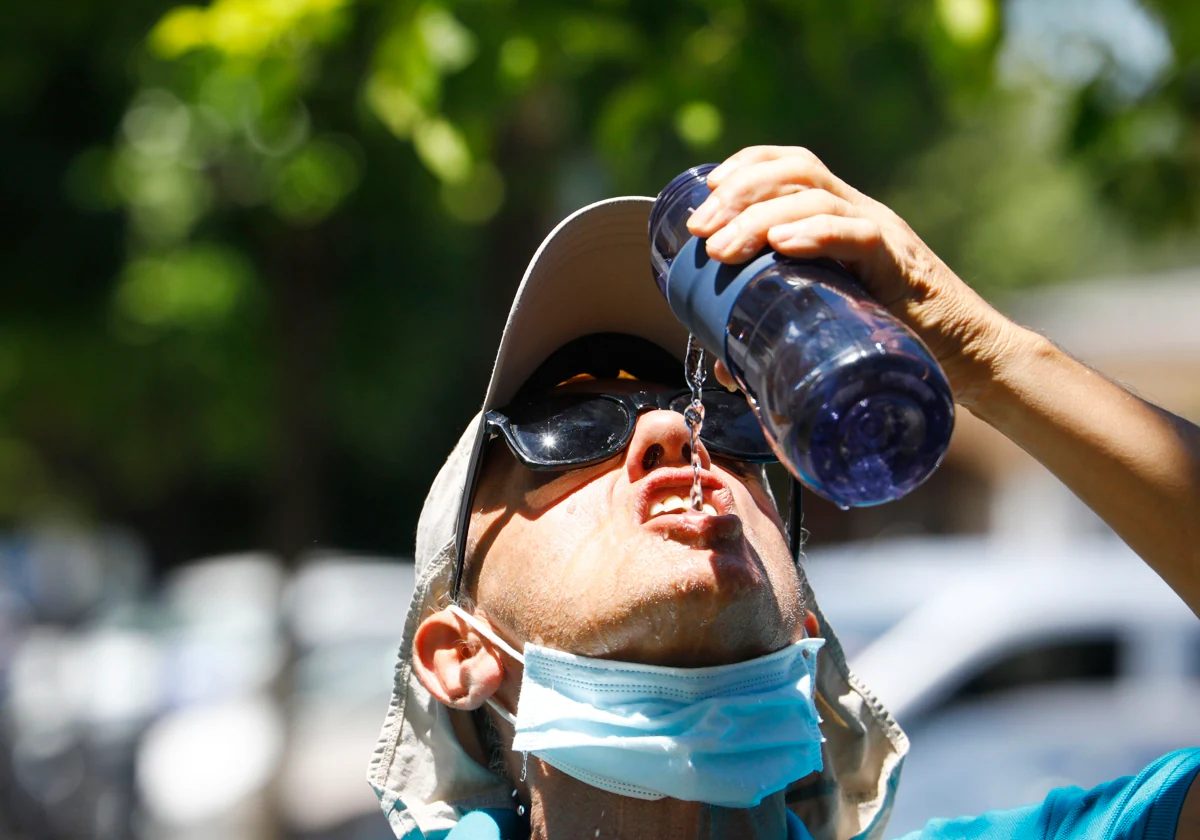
x: 453, y: 665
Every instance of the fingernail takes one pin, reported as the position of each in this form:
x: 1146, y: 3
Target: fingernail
x: 705, y: 212
x: 720, y: 172
x: 722, y: 239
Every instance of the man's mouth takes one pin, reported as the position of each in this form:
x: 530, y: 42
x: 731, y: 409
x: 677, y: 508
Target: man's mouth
x: 668, y: 492
x: 663, y: 508
x: 678, y: 504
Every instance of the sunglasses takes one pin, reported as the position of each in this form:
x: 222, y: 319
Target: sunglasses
x: 567, y: 431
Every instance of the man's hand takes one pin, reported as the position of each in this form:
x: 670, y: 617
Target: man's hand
x: 783, y: 196
x: 1134, y: 464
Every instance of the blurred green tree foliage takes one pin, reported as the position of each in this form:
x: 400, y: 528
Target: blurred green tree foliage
x: 259, y: 251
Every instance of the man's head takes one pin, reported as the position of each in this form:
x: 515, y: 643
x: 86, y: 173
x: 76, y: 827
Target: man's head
x: 599, y: 559
x: 585, y: 560
x: 603, y: 558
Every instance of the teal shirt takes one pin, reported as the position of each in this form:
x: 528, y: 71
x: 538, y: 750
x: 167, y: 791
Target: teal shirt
x: 1141, y: 807
x: 506, y: 825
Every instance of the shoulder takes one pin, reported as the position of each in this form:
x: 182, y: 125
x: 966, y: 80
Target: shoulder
x: 1148, y: 806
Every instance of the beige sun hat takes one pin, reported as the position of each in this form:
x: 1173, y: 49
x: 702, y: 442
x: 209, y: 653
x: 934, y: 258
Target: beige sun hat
x: 592, y: 275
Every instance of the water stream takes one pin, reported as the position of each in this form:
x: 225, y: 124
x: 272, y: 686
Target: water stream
x: 694, y: 415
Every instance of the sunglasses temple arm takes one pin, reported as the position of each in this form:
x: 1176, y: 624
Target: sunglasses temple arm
x: 795, y: 519
x: 464, y: 510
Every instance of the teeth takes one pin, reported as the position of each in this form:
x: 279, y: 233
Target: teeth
x: 678, y: 504
x: 670, y: 504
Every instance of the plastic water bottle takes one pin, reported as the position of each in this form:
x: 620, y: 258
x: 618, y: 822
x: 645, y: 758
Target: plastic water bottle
x: 852, y: 402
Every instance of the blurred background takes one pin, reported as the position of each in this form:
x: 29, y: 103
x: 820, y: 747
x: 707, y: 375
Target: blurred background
x: 257, y: 255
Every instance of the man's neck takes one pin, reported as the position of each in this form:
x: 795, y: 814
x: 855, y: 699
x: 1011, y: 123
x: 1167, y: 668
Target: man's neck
x: 562, y: 808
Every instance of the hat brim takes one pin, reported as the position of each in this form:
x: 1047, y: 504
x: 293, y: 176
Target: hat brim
x: 590, y: 275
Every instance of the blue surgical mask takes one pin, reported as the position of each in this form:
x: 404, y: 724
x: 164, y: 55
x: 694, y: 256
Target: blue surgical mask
x: 726, y: 735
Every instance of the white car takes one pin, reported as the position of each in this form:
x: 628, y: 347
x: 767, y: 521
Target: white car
x: 1014, y: 670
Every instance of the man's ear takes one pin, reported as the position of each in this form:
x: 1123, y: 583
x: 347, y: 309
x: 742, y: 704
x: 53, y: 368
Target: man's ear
x: 453, y: 664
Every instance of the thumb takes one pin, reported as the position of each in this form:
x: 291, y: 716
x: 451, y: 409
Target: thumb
x: 724, y: 376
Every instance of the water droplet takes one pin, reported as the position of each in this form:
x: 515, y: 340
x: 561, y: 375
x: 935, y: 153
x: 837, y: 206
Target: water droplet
x: 843, y: 507
x: 521, y: 810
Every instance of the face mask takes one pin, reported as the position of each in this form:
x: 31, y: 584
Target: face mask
x: 727, y: 735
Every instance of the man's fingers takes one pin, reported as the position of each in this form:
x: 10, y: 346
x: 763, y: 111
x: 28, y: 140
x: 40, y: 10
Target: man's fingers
x: 849, y: 239
x: 746, y: 234
x: 763, y: 181
x: 748, y: 155
x: 754, y: 154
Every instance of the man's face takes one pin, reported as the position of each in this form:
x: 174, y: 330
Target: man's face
x: 578, y: 561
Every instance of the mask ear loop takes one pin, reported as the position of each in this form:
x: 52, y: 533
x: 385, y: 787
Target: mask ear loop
x: 487, y: 632
x: 495, y: 639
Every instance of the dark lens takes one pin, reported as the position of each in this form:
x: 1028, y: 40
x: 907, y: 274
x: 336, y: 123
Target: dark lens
x: 730, y: 427
x: 560, y: 430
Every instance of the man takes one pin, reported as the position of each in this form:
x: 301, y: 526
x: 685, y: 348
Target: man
x: 567, y: 605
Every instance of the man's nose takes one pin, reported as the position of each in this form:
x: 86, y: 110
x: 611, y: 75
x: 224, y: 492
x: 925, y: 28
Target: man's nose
x: 661, y: 439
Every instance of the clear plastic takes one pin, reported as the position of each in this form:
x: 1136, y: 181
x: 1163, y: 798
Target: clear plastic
x: 851, y: 400
x: 669, y: 217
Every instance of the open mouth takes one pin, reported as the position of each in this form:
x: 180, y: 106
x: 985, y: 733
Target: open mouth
x: 669, y: 494
x: 678, y: 504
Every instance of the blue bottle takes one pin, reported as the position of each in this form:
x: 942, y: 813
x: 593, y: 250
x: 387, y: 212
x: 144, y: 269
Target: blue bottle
x: 853, y: 403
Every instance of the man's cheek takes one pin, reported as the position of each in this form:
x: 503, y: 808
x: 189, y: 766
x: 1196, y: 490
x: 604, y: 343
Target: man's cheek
x: 772, y: 548
x: 594, y: 547
x: 582, y: 516
x: 574, y: 596
x: 763, y: 506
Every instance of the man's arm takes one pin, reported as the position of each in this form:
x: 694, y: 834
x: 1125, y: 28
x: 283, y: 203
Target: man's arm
x: 1136, y: 465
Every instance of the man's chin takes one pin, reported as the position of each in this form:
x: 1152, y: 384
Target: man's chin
x: 673, y: 635
x: 706, y: 601
x: 704, y: 554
